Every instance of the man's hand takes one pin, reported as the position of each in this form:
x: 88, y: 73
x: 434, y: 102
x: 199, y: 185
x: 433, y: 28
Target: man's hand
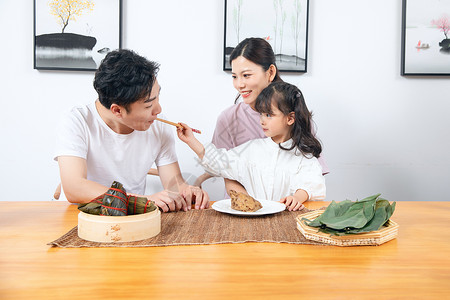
x: 193, y: 194
x: 169, y: 201
x: 172, y: 180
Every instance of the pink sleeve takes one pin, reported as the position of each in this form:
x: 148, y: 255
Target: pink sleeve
x: 222, y: 137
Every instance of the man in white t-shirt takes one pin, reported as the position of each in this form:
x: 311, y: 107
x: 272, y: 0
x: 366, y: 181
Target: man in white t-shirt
x: 115, y: 138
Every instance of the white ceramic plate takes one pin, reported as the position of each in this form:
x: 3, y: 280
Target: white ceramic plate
x: 268, y: 207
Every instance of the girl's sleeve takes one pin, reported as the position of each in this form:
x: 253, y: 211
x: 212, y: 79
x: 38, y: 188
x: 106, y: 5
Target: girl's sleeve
x: 223, y: 163
x: 310, y: 179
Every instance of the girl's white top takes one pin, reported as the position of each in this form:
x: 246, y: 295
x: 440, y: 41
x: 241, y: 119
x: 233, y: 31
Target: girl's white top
x: 266, y: 171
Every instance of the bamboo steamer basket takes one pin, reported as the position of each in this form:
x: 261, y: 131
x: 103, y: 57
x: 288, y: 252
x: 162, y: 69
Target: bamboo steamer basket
x: 384, y: 234
x: 113, y: 229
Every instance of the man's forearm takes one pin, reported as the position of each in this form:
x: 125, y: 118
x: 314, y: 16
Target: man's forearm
x: 83, y: 191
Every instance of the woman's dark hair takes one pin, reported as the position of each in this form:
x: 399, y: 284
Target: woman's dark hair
x: 124, y: 77
x: 288, y: 98
x: 258, y: 51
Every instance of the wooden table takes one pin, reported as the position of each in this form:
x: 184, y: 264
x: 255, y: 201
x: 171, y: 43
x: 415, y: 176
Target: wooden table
x: 416, y: 265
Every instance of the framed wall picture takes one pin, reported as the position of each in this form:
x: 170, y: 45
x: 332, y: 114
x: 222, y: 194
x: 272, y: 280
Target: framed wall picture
x: 283, y: 23
x: 75, y: 34
x: 426, y: 37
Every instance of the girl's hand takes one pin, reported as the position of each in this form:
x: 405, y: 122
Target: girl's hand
x: 292, y: 203
x: 185, y: 133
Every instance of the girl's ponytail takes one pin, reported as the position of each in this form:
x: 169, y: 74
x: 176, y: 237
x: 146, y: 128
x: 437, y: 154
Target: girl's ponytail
x: 302, y: 131
x: 289, y: 98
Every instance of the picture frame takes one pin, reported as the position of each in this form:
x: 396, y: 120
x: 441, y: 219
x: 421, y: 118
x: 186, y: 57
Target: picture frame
x: 75, y: 35
x: 425, y: 38
x: 284, y: 24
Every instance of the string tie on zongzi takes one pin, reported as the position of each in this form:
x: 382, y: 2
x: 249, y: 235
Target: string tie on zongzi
x: 116, y: 202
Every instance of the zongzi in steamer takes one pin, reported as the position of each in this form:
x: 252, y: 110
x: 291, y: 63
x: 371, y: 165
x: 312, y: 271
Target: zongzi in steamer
x: 115, y: 202
x: 140, y: 205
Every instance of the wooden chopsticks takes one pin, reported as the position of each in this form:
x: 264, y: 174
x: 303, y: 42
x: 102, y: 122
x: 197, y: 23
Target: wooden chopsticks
x: 177, y: 125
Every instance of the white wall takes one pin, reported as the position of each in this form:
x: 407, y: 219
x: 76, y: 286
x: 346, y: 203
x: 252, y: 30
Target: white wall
x: 381, y: 132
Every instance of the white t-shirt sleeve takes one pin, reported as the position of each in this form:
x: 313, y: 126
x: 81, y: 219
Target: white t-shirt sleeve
x: 72, y: 137
x: 167, y: 154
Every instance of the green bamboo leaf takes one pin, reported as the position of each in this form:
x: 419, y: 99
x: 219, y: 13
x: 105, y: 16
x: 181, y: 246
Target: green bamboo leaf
x: 354, y: 219
x: 347, y: 217
x: 329, y: 212
x: 370, y: 198
x: 369, y: 208
x: 343, y: 207
x: 92, y: 208
x: 374, y: 224
x: 391, y: 210
x: 357, y: 215
x: 332, y: 231
x: 383, y: 212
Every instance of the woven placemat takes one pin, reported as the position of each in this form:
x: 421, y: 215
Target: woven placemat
x: 202, y: 227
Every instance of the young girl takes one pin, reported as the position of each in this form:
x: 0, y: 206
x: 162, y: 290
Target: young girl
x: 282, y: 167
x: 253, y: 68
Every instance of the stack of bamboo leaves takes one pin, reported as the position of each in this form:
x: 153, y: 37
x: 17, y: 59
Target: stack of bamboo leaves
x: 348, y: 217
x: 116, y: 202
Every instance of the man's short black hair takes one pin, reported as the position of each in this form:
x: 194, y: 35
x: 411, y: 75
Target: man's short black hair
x: 124, y: 77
